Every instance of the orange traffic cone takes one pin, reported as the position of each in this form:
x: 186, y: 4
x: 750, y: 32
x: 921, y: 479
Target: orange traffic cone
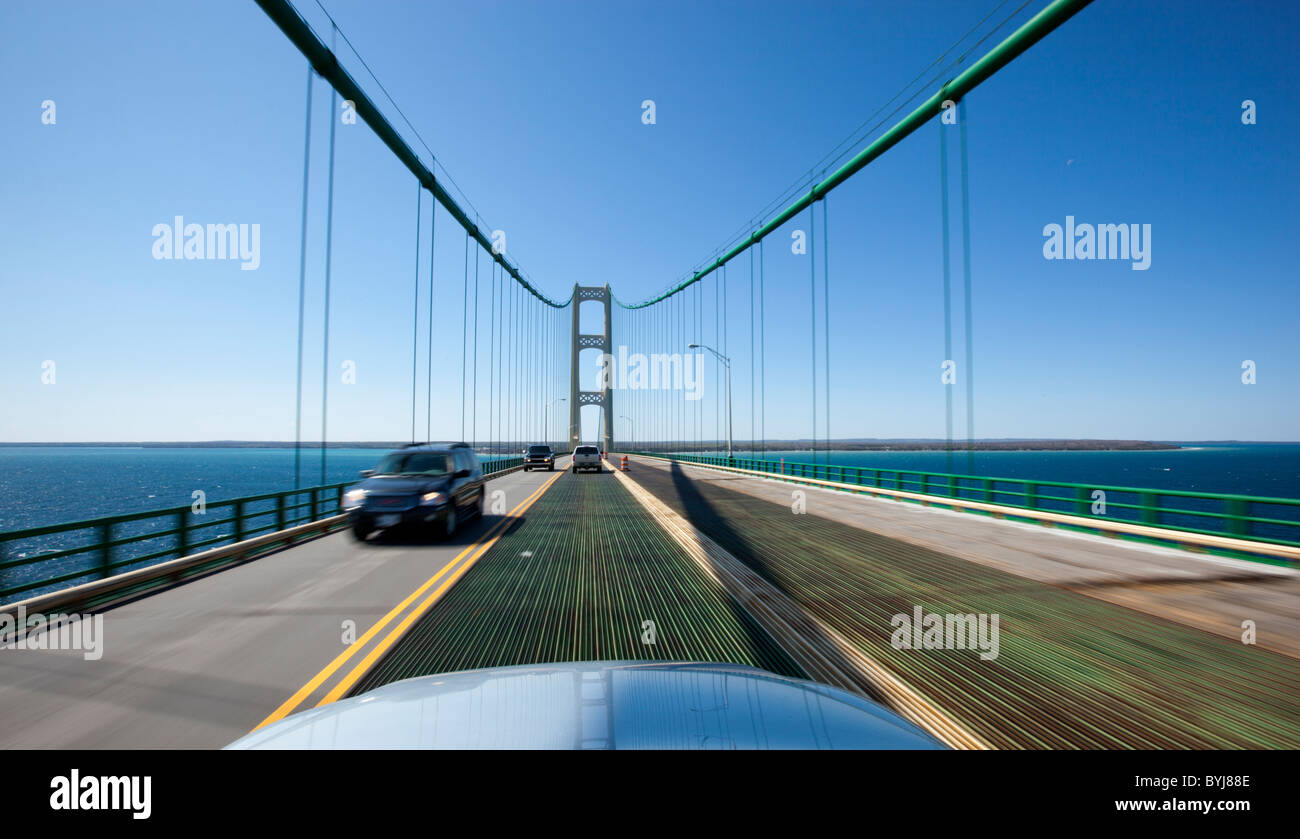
x: 624, y: 463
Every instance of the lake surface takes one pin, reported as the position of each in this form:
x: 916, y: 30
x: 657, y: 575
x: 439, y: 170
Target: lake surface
x: 42, y: 485
x: 1262, y: 469
x: 56, y: 484
x: 47, y: 485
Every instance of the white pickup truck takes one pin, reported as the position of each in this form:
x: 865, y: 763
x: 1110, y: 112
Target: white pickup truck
x: 586, y: 457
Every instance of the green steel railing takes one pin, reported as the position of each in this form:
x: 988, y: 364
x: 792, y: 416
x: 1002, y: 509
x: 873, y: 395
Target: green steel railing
x: 1274, y: 521
x: 61, y: 555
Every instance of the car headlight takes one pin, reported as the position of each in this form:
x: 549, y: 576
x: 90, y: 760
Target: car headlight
x: 431, y: 498
x: 354, y: 498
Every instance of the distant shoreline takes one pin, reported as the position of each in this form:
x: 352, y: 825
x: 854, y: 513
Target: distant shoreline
x: 864, y: 445
x: 942, y: 445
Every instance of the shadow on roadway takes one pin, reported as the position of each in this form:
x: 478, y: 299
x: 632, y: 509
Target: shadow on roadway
x: 705, y: 516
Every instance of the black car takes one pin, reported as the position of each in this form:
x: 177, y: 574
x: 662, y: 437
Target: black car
x: 430, y: 485
x: 538, y: 457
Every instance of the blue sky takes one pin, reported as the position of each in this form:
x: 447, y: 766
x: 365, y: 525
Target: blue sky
x: 1130, y: 113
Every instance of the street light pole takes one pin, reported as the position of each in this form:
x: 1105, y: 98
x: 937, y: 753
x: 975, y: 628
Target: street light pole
x: 548, y: 414
x: 726, y: 363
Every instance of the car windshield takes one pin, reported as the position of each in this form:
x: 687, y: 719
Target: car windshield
x: 539, y: 450
x: 413, y: 463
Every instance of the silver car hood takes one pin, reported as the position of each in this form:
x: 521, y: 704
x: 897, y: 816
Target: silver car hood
x: 598, y: 705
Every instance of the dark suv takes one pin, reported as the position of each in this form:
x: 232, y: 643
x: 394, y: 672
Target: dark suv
x: 538, y: 457
x: 433, y: 485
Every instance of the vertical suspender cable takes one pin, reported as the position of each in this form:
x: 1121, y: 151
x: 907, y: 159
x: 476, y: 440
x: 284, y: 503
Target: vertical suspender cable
x: 433, y: 251
x: 812, y: 289
x: 826, y: 322
x: 492, y: 354
x: 464, y: 335
x: 507, y: 345
x: 727, y: 427
x: 531, y: 377
x: 329, y: 252
x: 532, y: 371
x: 519, y: 352
x: 473, y: 433
x: 415, y: 307
x: 526, y: 405
x: 966, y: 296
x: 762, y: 343
x: 501, y: 324
x: 947, y: 287
x: 538, y: 408
x: 751, y: 352
x: 515, y: 297
x: 302, y: 286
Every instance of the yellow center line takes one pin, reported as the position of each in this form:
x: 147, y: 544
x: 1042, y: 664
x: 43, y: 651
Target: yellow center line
x: 292, y: 703
x: 398, y: 631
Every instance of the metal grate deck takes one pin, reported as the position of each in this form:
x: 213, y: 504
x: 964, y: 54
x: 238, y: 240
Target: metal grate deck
x: 1072, y: 671
x: 574, y: 581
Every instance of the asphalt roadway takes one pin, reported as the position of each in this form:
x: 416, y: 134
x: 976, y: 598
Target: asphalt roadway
x: 204, y: 663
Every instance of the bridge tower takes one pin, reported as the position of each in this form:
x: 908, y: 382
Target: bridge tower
x: 603, y: 397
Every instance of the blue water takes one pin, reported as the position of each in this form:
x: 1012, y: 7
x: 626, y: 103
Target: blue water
x: 49, y: 485
x: 56, y: 485
x: 1260, y: 469
x: 42, y: 485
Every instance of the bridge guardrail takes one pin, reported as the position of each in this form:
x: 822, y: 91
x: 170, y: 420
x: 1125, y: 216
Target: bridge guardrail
x: 65, y: 555
x: 1274, y: 521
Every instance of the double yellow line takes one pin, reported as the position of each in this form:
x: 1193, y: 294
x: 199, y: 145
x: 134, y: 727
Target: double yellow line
x: 470, y: 555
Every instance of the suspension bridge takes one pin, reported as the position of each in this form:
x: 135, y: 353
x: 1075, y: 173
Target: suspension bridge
x: 1117, y: 627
